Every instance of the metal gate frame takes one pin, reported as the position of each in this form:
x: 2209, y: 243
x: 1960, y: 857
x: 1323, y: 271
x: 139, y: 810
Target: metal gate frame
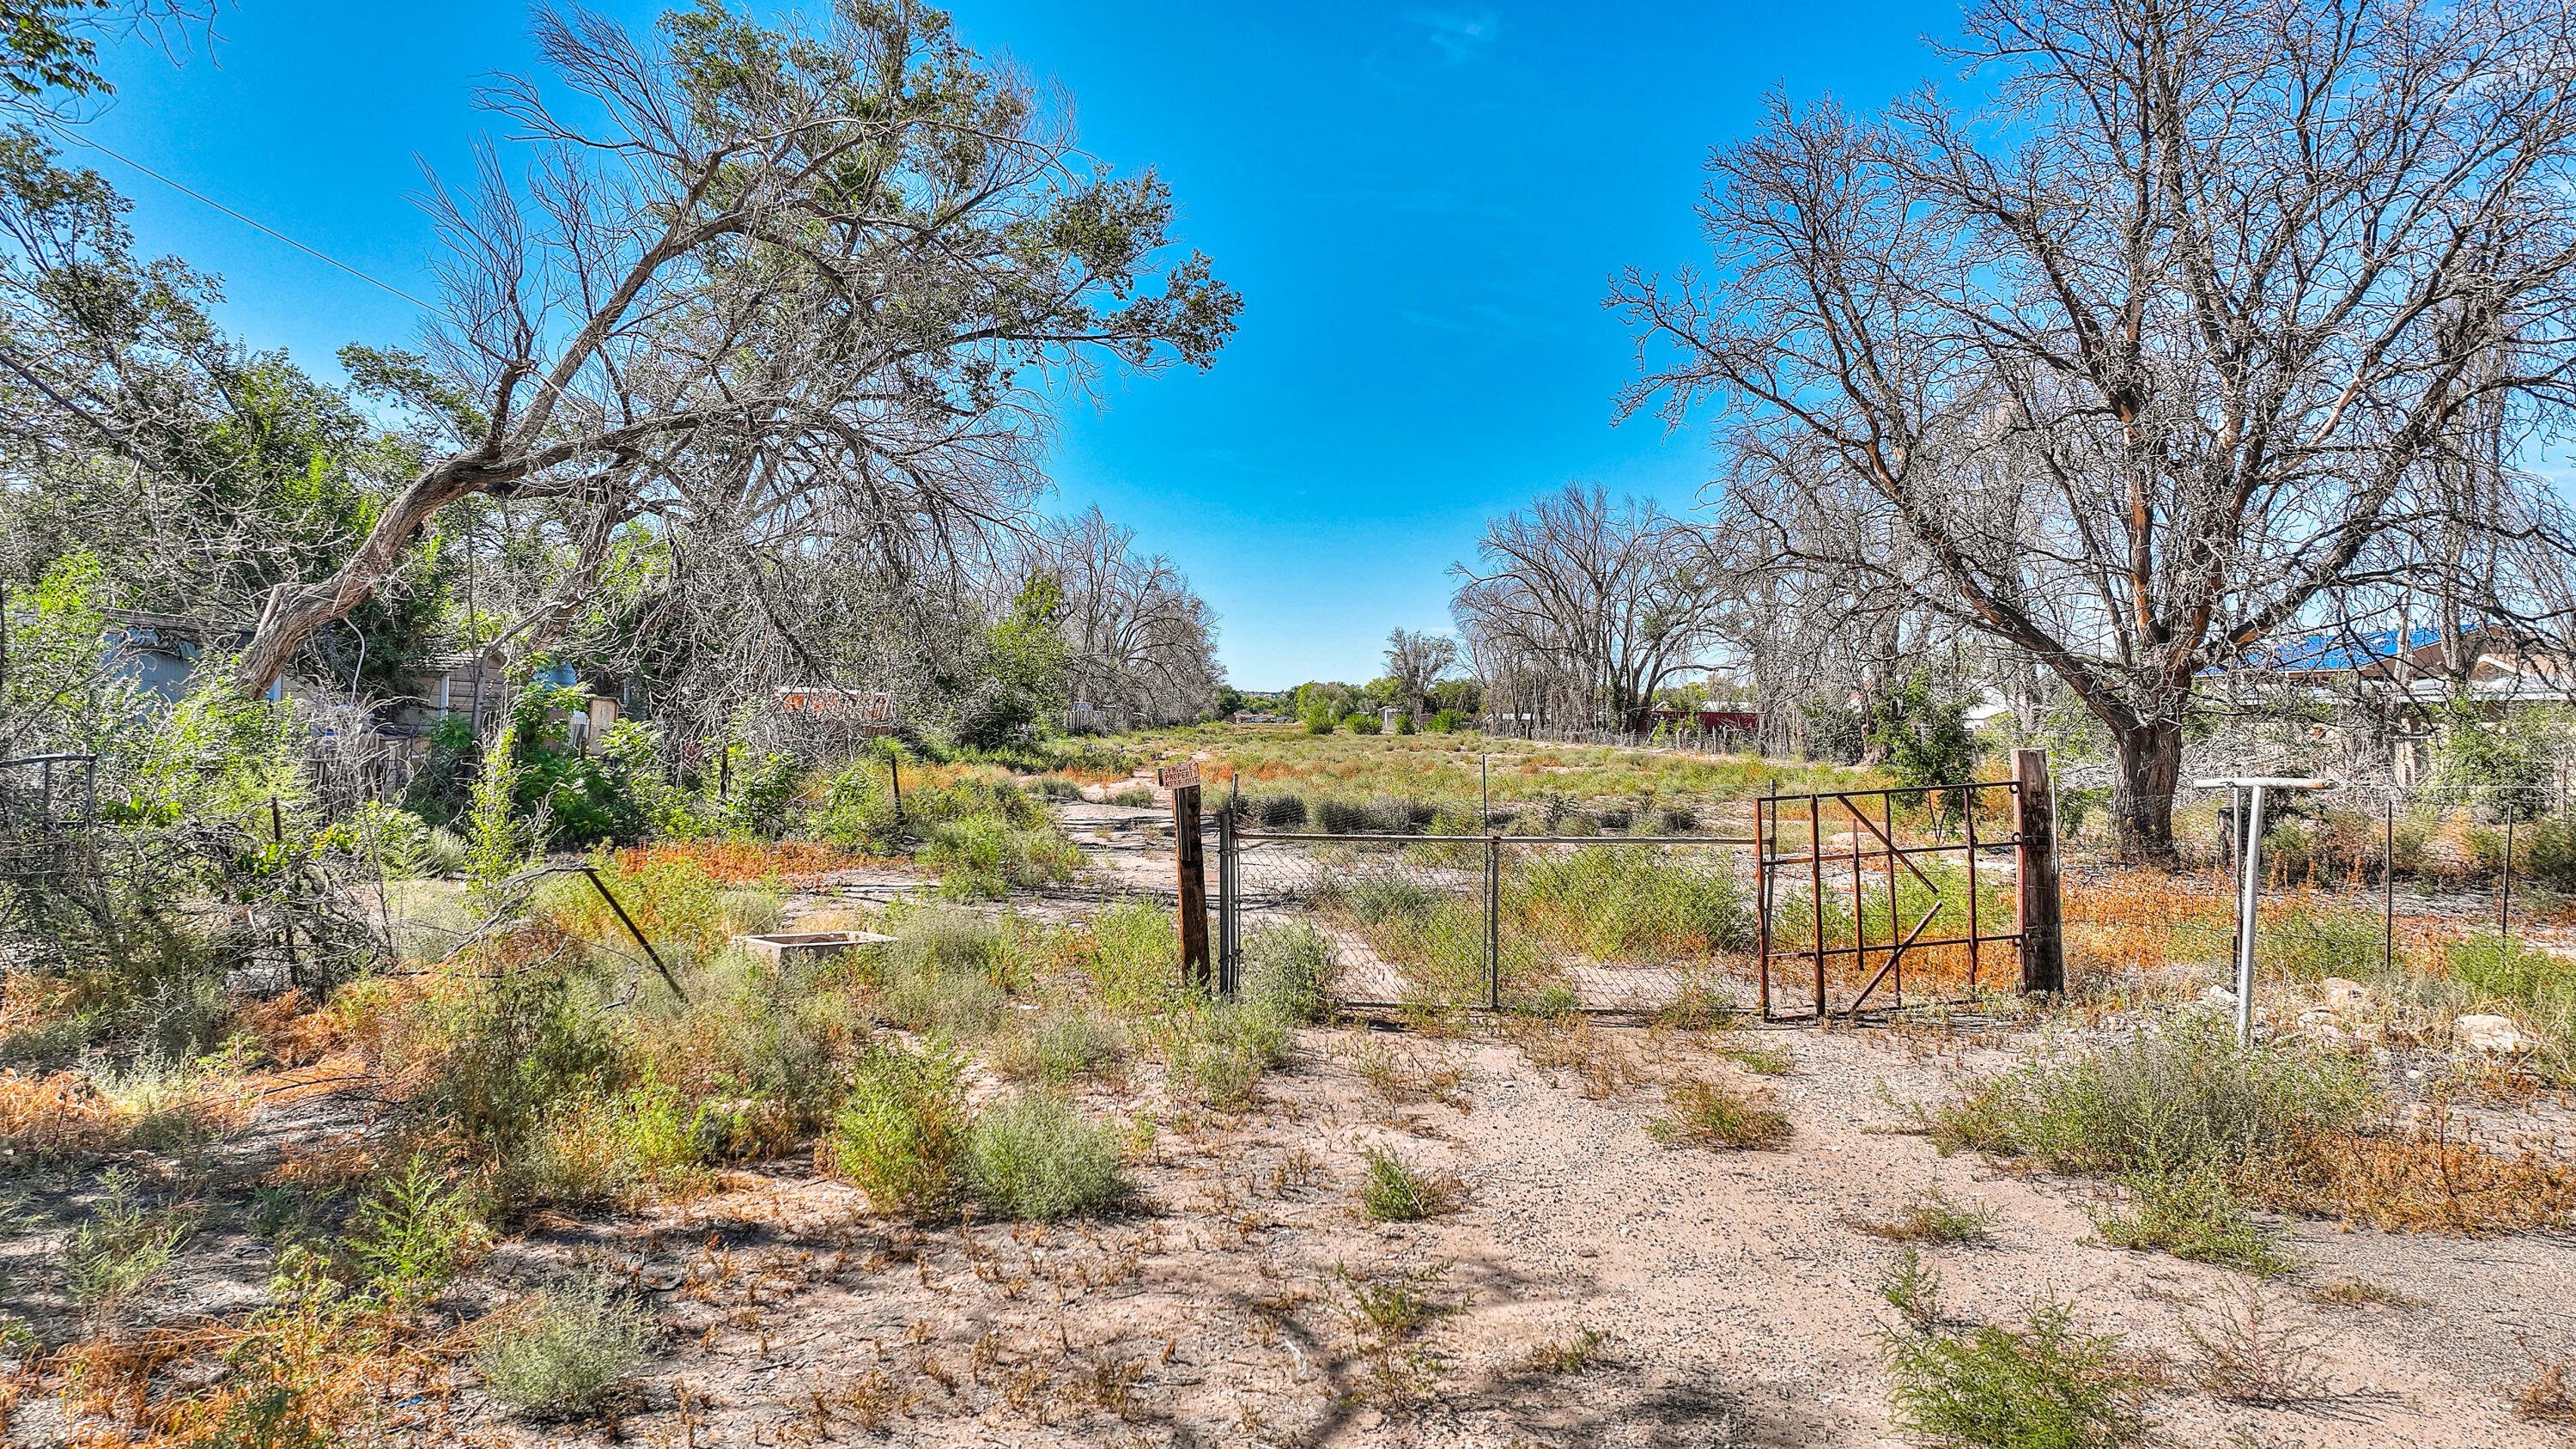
x: 1885, y: 855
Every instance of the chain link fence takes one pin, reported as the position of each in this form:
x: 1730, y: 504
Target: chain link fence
x: 1633, y: 923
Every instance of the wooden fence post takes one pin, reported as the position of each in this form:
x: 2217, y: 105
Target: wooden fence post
x: 1183, y: 781
x: 2043, y: 944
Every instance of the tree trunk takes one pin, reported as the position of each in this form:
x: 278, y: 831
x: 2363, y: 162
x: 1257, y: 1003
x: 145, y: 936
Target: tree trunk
x: 2142, y: 802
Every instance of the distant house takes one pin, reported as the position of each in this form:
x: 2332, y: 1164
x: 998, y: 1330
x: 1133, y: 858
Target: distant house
x: 2412, y: 670
x: 158, y: 651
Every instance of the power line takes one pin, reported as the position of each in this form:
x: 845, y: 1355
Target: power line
x: 246, y: 221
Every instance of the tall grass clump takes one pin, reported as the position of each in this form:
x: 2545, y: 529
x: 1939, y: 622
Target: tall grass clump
x: 1135, y: 960
x: 1036, y: 1158
x: 951, y: 970
x: 1612, y: 902
x: 902, y: 1129
x: 2501, y: 971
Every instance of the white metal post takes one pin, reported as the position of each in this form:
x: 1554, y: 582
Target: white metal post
x: 2250, y: 867
x: 2249, y: 885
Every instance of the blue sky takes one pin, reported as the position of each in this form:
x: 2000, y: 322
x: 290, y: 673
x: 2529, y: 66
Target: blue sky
x: 1421, y: 206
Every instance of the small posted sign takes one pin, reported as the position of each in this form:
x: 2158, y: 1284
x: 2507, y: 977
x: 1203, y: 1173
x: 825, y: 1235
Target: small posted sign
x: 1179, y: 775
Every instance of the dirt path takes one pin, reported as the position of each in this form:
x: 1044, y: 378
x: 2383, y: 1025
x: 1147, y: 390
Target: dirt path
x: 1735, y: 1303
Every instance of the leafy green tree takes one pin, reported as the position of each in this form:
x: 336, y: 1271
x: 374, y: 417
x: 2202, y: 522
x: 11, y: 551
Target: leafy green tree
x: 1923, y: 735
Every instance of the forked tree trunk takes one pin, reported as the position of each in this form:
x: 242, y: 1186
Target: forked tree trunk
x: 2142, y: 801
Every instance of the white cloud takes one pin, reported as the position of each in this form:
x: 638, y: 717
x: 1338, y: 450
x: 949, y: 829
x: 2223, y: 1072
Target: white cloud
x: 1456, y: 33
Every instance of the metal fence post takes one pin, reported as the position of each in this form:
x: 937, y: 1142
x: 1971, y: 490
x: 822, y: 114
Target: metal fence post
x: 2251, y: 883
x: 2388, y: 890
x: 1493, y: 923
x: 2504, y: 897
x: 1228, y: 926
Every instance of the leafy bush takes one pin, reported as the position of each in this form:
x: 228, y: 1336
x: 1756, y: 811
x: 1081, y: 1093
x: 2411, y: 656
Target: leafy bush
x: 1055, y: 787
x: 1134, y: 797
x: 1394, y: 1191
x: 900, y: 1133
x: 1318, y: 722
x: 1033, y: 1157
x: 1361, y: 724
x: 563, y: 1349
x: 2046, y: 1387
x: 1448, y: 722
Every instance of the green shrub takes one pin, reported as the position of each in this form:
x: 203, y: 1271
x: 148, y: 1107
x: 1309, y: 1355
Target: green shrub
x: 1394, y: 1191
x: 606, y: 1149
x: 564, y: 1349
x: 1135, y: 960
x: 2505, y: 971
x: 122, y: 1247
x: 1033, y: 1157
x: 2047, y: 1387
x: 1360, y: 724
x: 901, y: 1129
x: 951, y: 971
x: 1055, y: 787
x: 2195, y: 1213
x: 1134, y: 797
x: 528, y: 1040
x: 1218, y: 1049
x: 413, y: 1235
x: 1448, y: 721
x: 981, y: 857
x: 1706, y: 1114
x: 1318, y: 722
x: 2310, y: 943
x: 1058, y: 1046
x: 1288, y: 968
x: 2158, y: 1104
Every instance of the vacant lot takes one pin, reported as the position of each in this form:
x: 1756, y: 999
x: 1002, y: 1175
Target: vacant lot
x: 999, y: 1182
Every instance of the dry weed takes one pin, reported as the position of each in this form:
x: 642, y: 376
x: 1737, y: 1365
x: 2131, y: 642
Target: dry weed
x: 1606, y: 1066
x: 2251, y: 1352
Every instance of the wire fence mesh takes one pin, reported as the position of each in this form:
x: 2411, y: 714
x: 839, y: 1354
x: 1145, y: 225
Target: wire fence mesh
x: 1529, y: 923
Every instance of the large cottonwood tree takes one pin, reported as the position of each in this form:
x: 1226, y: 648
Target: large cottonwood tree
x: 2160, y: 351
x: 804, y: 283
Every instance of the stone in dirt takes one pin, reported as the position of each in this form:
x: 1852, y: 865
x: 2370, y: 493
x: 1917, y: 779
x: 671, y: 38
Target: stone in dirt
x: 2496, y: 1035
x: 2219, y: 996
x: 2345, y: 995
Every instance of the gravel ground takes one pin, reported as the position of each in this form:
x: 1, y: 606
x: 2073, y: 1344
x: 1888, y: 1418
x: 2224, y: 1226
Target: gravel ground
x: 1734, y: 1302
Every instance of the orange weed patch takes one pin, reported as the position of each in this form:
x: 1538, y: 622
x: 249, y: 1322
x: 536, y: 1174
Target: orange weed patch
x: 56, y: 1113
x: 740, y: 862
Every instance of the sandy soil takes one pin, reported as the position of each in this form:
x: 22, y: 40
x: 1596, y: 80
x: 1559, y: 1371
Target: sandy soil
x: 1736, y: 1303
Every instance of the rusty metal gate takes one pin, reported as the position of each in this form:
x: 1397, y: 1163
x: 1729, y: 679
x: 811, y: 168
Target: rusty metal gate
x: 1865, y: 896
